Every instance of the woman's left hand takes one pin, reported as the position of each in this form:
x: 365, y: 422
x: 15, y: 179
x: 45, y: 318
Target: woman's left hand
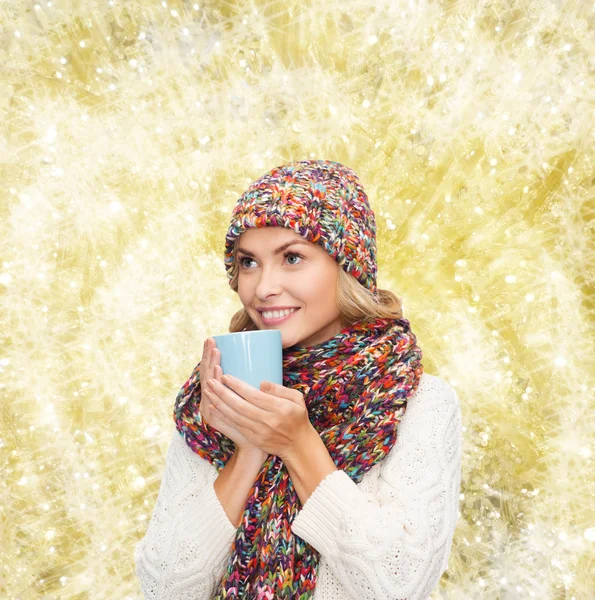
x: 274, y: 418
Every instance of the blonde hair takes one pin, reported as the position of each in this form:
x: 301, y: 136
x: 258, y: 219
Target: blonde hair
x: 354, y: 301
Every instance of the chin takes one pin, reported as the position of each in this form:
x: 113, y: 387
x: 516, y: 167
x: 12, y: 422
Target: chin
x: 288, y: 340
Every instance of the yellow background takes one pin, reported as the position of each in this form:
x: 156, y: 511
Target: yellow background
x: 127, y: 132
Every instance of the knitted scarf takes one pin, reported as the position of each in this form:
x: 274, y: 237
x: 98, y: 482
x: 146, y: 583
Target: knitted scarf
x: 356, y: 386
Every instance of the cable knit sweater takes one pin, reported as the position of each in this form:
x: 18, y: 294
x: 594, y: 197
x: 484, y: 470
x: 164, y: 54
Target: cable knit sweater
x: 388, y: 537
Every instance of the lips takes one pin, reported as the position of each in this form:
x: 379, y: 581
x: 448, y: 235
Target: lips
x: 278, y: 320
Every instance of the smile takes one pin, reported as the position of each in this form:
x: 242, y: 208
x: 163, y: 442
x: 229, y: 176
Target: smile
x: 281, y: 317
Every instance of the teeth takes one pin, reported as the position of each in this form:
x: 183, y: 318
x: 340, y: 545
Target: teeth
x: 278, y: 313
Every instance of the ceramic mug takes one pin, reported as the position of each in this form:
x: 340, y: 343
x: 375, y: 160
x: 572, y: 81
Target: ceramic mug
x: 252, y: 356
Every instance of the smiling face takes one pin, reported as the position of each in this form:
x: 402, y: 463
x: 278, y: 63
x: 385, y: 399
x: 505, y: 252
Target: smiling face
x: 302, y: 275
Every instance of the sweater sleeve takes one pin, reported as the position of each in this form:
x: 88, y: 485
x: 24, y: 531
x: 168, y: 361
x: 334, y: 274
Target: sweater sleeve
x: 393, y: 543
x: 187, y: 543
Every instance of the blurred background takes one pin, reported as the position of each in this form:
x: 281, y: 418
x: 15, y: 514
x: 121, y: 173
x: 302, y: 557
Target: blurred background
x: 128, y: 130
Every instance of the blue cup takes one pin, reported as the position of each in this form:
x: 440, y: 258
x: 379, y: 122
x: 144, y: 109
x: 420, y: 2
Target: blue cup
x: 252, y: 356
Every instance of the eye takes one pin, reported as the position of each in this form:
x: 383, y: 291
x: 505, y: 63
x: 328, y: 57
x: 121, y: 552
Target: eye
x: 293, y: 254
x: 241, y: 259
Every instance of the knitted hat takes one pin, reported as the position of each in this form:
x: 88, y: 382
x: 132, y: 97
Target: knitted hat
x: 321, y: 200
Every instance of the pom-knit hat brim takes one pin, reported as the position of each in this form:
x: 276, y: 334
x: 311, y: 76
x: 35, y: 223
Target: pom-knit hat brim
x: 321, y: 200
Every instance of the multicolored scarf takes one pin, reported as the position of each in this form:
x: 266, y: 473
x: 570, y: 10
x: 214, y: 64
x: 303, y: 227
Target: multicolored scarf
x: 356, y: 386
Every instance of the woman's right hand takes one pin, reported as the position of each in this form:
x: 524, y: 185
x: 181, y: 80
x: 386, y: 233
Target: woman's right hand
x: 210, y: 368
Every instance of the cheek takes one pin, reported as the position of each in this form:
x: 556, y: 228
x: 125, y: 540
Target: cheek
x: 318, y: 286
x: 244, y: 291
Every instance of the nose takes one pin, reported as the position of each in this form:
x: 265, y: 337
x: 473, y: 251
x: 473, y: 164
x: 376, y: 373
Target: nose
x: 269, y: 284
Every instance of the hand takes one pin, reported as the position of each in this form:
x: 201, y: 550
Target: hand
x: 210, y: 370
x: 274, y: 418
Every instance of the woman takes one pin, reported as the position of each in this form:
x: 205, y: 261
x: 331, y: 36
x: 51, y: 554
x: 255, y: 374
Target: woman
x: 344, y: 482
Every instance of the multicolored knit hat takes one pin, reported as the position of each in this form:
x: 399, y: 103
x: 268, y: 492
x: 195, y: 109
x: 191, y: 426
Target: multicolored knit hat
x: 321, y: 200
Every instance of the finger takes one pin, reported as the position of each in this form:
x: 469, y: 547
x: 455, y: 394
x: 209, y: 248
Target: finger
x: 207, y: 394
x: 262, y: 400
x: 211, y: 400
x: 206, y: 357
x: 211, y: 359
x: 218, y: 373
x: 210, y: 376
x: 215, y: 390
x: 225, y: 406
x: 241, y: 406
x: 214, y: 356
x: 280, y: 391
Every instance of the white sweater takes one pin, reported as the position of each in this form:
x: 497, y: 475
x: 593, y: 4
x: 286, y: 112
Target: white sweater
x: 388, y: 537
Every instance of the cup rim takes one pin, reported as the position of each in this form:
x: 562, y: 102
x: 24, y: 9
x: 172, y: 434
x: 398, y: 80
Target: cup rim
x: 245, y: 332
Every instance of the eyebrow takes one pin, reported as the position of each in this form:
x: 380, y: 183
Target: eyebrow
x: 277, y: 251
